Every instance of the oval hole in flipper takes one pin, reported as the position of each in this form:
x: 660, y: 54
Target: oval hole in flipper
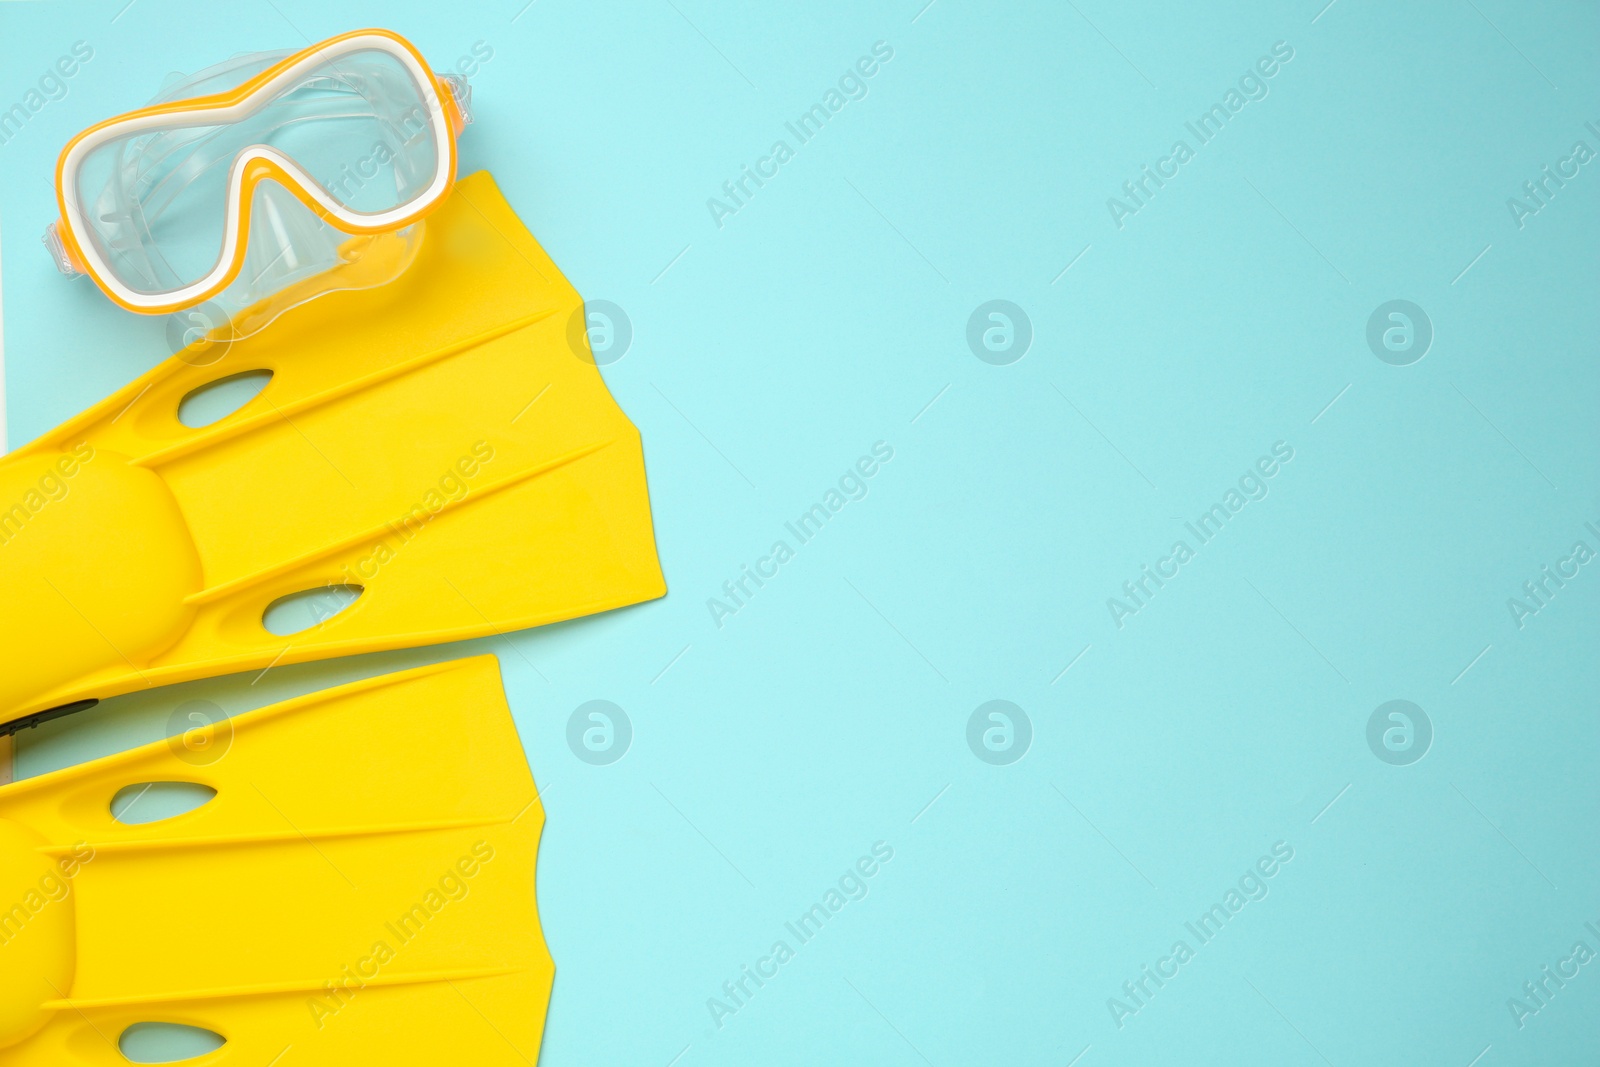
x: 308, y: 608
x: 144, y: 802
x: 215, y: 401
x: 167, y: 1042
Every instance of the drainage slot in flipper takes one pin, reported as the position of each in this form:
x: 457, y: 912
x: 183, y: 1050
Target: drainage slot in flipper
x: 216, y: 400
x: 167, y: 1042
x: 145, y: 802
x: 308, y: 608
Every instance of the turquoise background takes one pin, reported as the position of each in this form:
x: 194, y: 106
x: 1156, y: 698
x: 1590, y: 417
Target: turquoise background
x: 827, y: 314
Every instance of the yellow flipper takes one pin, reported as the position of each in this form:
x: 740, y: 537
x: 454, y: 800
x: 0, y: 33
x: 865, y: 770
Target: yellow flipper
x: 360, y: 890
x: 443, y: 444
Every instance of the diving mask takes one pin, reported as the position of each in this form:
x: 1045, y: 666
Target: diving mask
x: 264, y: 181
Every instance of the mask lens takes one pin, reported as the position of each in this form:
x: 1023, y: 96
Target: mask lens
x: 361, y: 126
x: 363, y: 129
x: 154, y: 205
